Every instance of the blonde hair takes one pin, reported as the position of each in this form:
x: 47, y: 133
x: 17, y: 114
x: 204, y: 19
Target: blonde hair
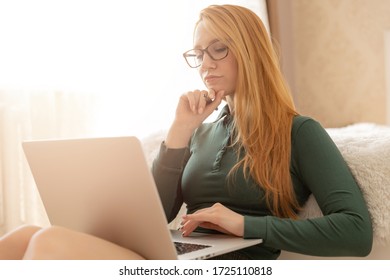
x: 263, y: 106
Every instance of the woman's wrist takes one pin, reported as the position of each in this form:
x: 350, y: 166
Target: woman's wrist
x: 178, y: 136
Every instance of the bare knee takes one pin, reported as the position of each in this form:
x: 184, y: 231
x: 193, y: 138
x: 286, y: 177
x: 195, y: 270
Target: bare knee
x: 23, y: 230
x: 46, y: 243
x: 13, y: 244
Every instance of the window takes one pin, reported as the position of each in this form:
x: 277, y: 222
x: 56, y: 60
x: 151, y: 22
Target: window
x: 127, y: 54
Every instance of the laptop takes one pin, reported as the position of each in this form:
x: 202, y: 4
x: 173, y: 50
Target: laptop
x: 104, y: 187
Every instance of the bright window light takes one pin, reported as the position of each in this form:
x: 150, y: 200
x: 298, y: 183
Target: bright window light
x: 127, y: 53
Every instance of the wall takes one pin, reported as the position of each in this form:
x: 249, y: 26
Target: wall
x: 333, y: 57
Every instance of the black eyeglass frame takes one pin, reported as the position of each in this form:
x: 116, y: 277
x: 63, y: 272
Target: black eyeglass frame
x: 205, y: 50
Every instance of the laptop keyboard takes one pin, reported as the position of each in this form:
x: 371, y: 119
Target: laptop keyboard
x: 183, y: 248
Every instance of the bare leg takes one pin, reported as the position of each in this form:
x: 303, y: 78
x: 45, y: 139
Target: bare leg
x: 13, y: 245
x: 60, y: 243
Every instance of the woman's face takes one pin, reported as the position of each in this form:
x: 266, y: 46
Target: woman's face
x: 216, y: 74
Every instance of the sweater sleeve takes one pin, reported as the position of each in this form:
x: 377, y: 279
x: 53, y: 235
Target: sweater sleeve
x: 167, y: 170
x: 345, y: 229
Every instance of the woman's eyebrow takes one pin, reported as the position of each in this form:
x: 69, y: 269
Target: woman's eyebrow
x: 211, y: 42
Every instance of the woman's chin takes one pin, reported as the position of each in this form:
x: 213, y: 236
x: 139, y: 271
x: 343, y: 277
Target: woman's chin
x: 215, y: 89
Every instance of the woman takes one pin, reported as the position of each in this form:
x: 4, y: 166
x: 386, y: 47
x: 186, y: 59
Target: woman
x: 249, y: 172
x: 246, y: 174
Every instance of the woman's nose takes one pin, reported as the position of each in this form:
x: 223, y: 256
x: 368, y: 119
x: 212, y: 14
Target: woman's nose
x: 207, y: 62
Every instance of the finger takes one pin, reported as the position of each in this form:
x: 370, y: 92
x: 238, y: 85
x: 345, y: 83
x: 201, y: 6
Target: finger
x: 211, y: 94
x: 192, y: 101
x: 194, y: 216
x: 188, y: 224
x: 208, y: 99
x: 203, y: 99
x: 216, y: 101
x: 197, y: 211
x: 200, y: 217
x: 188, y: 228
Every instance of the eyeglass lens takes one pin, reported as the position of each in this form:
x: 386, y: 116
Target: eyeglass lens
x: 216, y: 51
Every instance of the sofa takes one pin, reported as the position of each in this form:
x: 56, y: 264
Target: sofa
x: 366, y: 149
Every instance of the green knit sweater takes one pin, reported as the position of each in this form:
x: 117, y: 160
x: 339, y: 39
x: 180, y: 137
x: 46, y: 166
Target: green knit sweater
x: 197, y: 175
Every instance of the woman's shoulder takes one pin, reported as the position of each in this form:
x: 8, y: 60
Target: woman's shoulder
x: 304, y: 126
x: 299, y: 120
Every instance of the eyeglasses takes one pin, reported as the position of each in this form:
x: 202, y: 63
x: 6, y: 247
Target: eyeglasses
x: 216, y: 50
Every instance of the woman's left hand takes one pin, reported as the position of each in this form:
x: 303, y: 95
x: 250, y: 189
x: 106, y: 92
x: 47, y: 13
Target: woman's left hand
x: 216, y: 217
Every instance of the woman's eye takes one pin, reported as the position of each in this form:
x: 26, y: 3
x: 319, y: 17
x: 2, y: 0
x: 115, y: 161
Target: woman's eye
x: 221, y: 49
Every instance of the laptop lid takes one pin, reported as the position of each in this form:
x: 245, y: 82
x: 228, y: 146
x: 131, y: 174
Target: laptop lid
x: 104, y: 187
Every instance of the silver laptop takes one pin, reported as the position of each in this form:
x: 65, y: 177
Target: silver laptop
x: 104, y: 187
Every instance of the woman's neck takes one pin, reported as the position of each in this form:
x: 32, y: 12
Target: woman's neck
x: 230, y: 102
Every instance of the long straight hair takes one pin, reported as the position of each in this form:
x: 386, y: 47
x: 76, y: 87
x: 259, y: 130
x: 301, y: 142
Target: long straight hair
x: 263, y: 106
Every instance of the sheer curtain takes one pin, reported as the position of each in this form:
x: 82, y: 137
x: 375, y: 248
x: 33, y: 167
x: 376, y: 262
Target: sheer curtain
x: 82, y: 68
x: 28, y: 115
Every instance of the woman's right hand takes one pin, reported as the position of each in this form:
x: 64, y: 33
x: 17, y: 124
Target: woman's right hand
x: 191, y: 111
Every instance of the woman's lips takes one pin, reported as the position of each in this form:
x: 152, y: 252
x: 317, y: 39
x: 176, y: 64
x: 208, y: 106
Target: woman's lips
x: 211, y: 78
